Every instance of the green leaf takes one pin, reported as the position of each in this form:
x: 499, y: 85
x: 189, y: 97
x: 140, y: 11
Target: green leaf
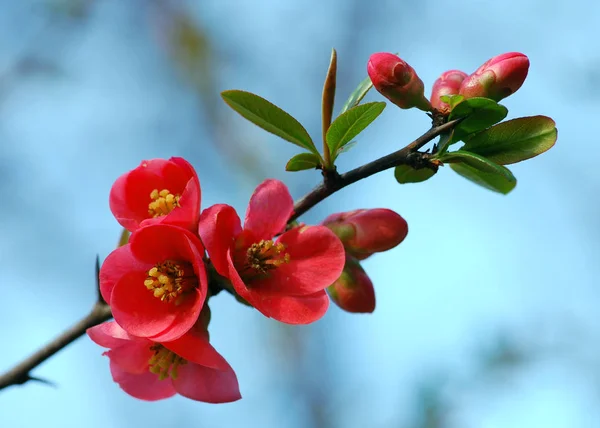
x: 358, y: 94
x: 452, y: 100
x: 514, y: 140
x: 479, y: 114
x: 481, y: 171
x: 351, y: 123
x: 269, y: 117
x: 303, y: 161
x: 406, y: 174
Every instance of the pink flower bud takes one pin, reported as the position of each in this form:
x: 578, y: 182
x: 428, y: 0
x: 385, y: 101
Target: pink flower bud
x: 447, y: 84
x: 397, y: 81
x: 364, y: 232
x: 497, y: 78
x: 353, y: 291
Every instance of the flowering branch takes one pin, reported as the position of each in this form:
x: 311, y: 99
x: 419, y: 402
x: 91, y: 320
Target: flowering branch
x: 100, y: 313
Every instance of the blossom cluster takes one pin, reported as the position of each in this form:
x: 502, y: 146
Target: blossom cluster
x: 158, y: 284
x: 496, y: 79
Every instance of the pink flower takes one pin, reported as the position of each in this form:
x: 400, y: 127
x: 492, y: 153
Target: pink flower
x: 156, y: 284
x: 284, y: 279
x: 367, y: 231
x: 152, y: 371
x: 353, y: 290
x: 447, y: 84
x: 157, y: 191
x: 397, y: 81
x: 497, y: 78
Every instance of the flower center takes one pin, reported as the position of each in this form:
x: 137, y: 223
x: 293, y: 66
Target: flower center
x: 169, y: 280
x: 165, y: 363
x: 262, y: 257
x: 163, y: 202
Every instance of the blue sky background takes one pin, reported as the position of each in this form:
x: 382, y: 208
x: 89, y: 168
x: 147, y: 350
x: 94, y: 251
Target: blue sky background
x: 487, y: 315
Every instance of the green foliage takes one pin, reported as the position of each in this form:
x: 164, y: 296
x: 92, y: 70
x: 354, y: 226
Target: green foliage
x: 351, y: 123
x: 357, y: 95
x: 481, y: 171
x: 406, y: 174
x: 269, y: 117
x: 303, y: 161
x: 479, y: 114
x: 452, y: 100
x: 514, y: 140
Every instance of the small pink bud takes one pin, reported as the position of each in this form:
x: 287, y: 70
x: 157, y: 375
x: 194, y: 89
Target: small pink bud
x: 397, y: 81
x: 353, y: 291
x: 364, y: 232
x: 497, y: 78
x: 447, y: 84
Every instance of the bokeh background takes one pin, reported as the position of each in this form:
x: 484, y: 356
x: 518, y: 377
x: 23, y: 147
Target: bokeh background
x: 487, y: 315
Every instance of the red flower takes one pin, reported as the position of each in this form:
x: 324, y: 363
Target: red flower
x: 353, y: 291
x: 151, y: 371
x: 283, y: 279
x: 497, y: 78
x: 156, y: 284
x: 368, y: 231
x: 157, y: 191
x: 447, y: 84
x: 397, y: 81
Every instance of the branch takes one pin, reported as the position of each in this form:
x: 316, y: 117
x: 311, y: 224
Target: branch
x: 408, y: 155
x: 20, y: 374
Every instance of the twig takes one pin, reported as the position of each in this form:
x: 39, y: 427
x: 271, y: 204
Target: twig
x: 20, y: 374
x: 408, y: 155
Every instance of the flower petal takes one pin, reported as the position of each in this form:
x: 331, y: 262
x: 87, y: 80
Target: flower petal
x: 317, y: 259
x: 195, y: 348
x: 117, y: 264
x: 109, y: 335
x: 218, y: 227
x: 201, y: 383
x: 132, y: 357
x: 136, y: 309
x: 157, y: 243
x: 146, y: 386
x: 186, y: 315
x: 296, y: 310
x: 271, y: 205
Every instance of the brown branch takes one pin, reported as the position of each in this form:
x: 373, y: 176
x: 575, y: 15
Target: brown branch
x: 20, y: 374
x: 408, y: 155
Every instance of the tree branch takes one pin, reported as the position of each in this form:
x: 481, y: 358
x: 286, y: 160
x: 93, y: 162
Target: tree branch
x: 20, y: 374
x: 408, y: 155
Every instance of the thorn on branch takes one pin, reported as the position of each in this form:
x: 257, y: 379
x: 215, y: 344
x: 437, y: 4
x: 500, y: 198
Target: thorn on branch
x: 100, y: 298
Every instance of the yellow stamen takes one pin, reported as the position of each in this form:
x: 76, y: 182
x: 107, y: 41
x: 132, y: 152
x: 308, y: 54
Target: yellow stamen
x: 264, y: 256
x: 163, y: 202
x: 168, y: 281
x: 165, y: 363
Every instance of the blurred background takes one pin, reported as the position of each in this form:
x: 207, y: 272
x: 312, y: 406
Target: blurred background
x: 487, y: 315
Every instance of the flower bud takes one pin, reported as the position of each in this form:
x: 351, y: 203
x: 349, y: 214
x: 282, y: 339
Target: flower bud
x: 364, y: 232
x: 353, y: 291
x: 497, y: 78
x: 397, y: 81
x: 447, y: 84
